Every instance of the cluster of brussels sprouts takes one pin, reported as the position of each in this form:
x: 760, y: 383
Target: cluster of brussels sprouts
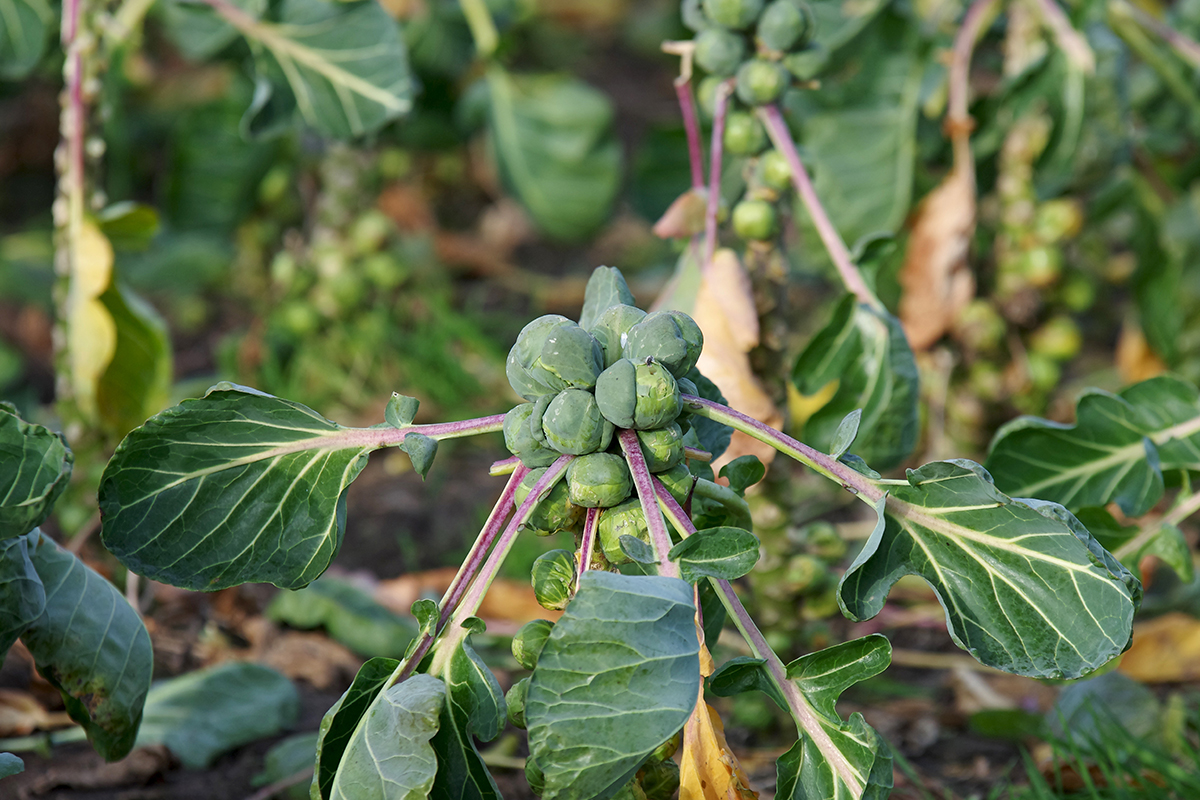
x: 658, y: 778
x: 763, y: 45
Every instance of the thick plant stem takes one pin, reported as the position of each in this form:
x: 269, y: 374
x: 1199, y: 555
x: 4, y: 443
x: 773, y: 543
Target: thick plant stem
x: 958, y: 79
x: 781, y: 137
x: 864, y: 488
x: 802, y: 712
x: 720, y: 111
x: 587, y: 542
x: 691, y: 126
x: 643, y: 482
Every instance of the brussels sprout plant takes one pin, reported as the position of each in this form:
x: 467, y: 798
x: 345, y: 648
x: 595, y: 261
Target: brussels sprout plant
x: 240, y: 486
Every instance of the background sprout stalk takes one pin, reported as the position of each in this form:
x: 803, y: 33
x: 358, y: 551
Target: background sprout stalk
x: 645, y: 490
x: 720, y: 111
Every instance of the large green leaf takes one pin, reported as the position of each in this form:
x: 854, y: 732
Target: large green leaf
x: 205, y: 713
x: 617, y: 677
x: 92, y: 646
x: 198, y: 31
x: 1115, y: 452
x: 342, y: 67
x: 389, y: 755
x: 553, y: 140
x: 475, y: 707
x: 341, y: 720
x: 24, y: 25
x: 22, y: 596
x: 137, y: 382
x: 232, y: 487
x: 1026, y: 588
x: 35, y: 466
x: 865, y: 352
x: 349, y: 614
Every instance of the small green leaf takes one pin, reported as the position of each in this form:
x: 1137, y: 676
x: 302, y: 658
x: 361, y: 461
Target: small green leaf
x: 389, y: 755
x: 232, y: 487
x: 24, y: 25
x: 743, y: 472
x: 401, y: 410
x: 10, y: 765
x: 421, y: 450
x: 865, y: 353
x: 725, y: 553
x: 35, y: 466
x: 555, y: 148
x: 1169, y: 545
x: 91, y: 646
x: 475, y: 707
x: 617, y: 677
x: 712, y: 611
x: 22, y: 596
x: 287, y: 758
x: 128, y: 225
x: 342, y: 719
x: 1057, y: 606
x: 202, y: 714
x: 137, y: 381
x: 847, y: 430
x: 744, y: 674
x: 350, y: 615
x: 707, y: 434
x: 636, y: 549
x: 605, y: 288
x: 427, y: 614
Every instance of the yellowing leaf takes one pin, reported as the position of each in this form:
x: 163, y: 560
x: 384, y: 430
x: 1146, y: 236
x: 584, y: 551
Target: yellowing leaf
x: 726, y: 313
x: 708, y: 770
x: 91, y: 332
x: 1165, y: 649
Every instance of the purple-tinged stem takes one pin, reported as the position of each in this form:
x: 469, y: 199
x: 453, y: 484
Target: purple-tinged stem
x: 781, y: 137
x: 645, y: 490
x: 1070, y: 40
x: 720, y: 111
x: 959, y: 73
x: 802, y: 711
x: 587, y: 543
x: 691, y: 126
x: 866, y: 489
x: 504, y: 466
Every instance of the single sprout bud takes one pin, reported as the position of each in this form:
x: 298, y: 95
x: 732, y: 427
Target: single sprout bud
x: 638, y: 396
x: 659, y: 779
x: 706, y: 95
x: 553, y: 579
x: 671, y: 338
x: 514, y: 698
x: 755, y: 220
x: 526, y: 351
x: 570, y: 359
x: 627, y: 519
x: 760, y: 82
x: 536, y: 431
x: 785, y: 24
x: 518, y: 438
x: 573, y: 424
x: 678, y: 480
x: 736, y: 14
x: 744, y: 135
x: 662, y: 447
x: 720, y: 51
x: 693, y: 15
x: 611, y: 329
x: 555, y: 512
x: 534, y: 777
x: 773, y: 168
x: 598, y: 480
x: 529, y: 641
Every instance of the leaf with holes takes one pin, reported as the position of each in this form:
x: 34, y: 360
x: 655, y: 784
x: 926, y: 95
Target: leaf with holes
x: 232, y: 487
x: 1116, y: 452
x: 1026, y: 588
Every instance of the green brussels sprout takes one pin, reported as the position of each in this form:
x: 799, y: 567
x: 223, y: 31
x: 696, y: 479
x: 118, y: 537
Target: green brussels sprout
x: 719, y: 51
x: 515, y: 698
x: 534, y: 777
x: 671, y: 338
x: 755, y: 220
x: 552, y: 353
x: 744, y: 135
x: 803, y: 573
x: 611, y: 328
x: 659, y: 779
x: 598, y: 480
x: 518, y: 438
x: 630, y: 791
x: 736, y: 14
x: 638, y: 396
x: 662, y: 447
x: 553, y: 579
x: 526, y: 350
x: 693, y: 15
x: 536, y: 431
x: 760, y: 82
x: 573, y: 423
x: 706, y: 95
x: 529, y: 641
x: 606, y: 287
x: 773, y: 168
x: 785, y: 24
x: 626, y: 519
x: 678, y: 480
x: 555, y: 512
